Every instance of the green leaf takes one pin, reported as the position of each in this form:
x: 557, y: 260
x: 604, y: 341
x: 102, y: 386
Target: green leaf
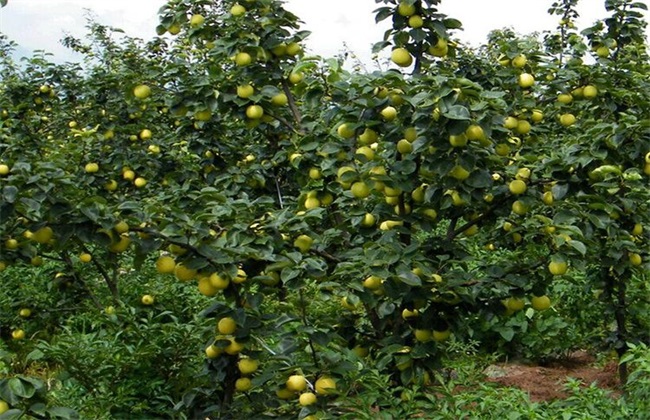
x: 20, y: 388
x: 409, y: 278
x: 479, y: 179
x: 10, y: 193
x: 506, y: 333
x: 3, y: 3
x: 14, y: 413
x: 559, y: 191
x: 455, y: 112
x: 452, y: 24
x: 63, y: 413
x: 578, y: 246
x: 35, y: 355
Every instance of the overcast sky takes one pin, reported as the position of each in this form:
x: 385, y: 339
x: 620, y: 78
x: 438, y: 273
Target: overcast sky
x: 40, y: 24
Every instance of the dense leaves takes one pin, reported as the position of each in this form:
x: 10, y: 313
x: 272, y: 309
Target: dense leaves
x: 433, y: 200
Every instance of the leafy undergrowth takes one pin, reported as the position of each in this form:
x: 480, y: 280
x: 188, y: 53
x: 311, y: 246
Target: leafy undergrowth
x: 575, y: 388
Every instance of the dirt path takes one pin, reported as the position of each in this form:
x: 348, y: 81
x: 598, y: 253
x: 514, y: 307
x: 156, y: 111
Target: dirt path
x: 544, y: 383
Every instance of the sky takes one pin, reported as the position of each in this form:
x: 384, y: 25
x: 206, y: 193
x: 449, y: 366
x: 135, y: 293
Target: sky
x: 335, y: 24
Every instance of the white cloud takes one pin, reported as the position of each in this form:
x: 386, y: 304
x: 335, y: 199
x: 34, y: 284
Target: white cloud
x: 40, y: 24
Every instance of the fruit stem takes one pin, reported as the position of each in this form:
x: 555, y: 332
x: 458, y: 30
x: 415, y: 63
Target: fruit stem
x: 111, y: 282
x: 68, y: 262
x: 621, y: 329
x: 292, y: 102
x: 303, y: 315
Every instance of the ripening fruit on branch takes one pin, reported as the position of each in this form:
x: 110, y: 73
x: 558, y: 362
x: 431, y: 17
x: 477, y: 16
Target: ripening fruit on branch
x: 296, y: 383
x: 416, y: 21
x: 206, y: 288
x: 307, y: 398
x: 440, y: 336
x: 174, y: 29
x: 589, y: 92
x: 226, y: 326
x: 372, y: 282
x: 184, y: 273
x: 440, y: 49
x: 212, y: 351
x: 366, y: 152
x: 196, y: 20
x: 519, y: 208
x: 345, y: 131
x: 296, y: 77
x: 459, y: 173
x: 43, y: 235
x: 368, y: 136
x: 360, y: 190
x: 142, y: 91
x: 459, y: 140
x: 219, y: 282
x: 243, y: 384
x: 547, y: 198
x: 390, y: 224
x: 526, y: 80
x: 540, y: 303
x: 284, y: 394
x: 567, y: 119
x: 91, y: 168
x: 254, y: 112
x: 602, y: 51
x: 18, y: 334
x: 514, y: 304
x: 234, y: 347
x: 325, y: 386
x: 293, y: 49
x: 147, y: 300
x: 410, y: 134
x: 165, y: 264
x: 519, y: 61
x: 245, y: 91
x: 303, y: 243
x: 237, y: 10
x: 407, y: 313
x: 565, y: 98
x: 401, y: 57
x: 243, y: 59
x: 241, y: 276
x: 389, y: 113
x: 523, y: 127
x: 510, y: 123
x: 635, y: 259
x: 423, y: 335
x: 280, y: 99
x: 558, y: 268
x: 475, y: 132
x: 517, y: 187
x: 405, y: 9
x: 203, y: 115
x: 404, y: 147
x: 247, y: 365
x: 139, y: 182
x: 312, y: 203
x: 85, y: 257
x: 537, y: 116
x: 4, y: 170
x: 368, y: 220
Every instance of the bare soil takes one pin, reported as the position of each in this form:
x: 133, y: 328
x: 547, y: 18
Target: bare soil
x: 545, y: 383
